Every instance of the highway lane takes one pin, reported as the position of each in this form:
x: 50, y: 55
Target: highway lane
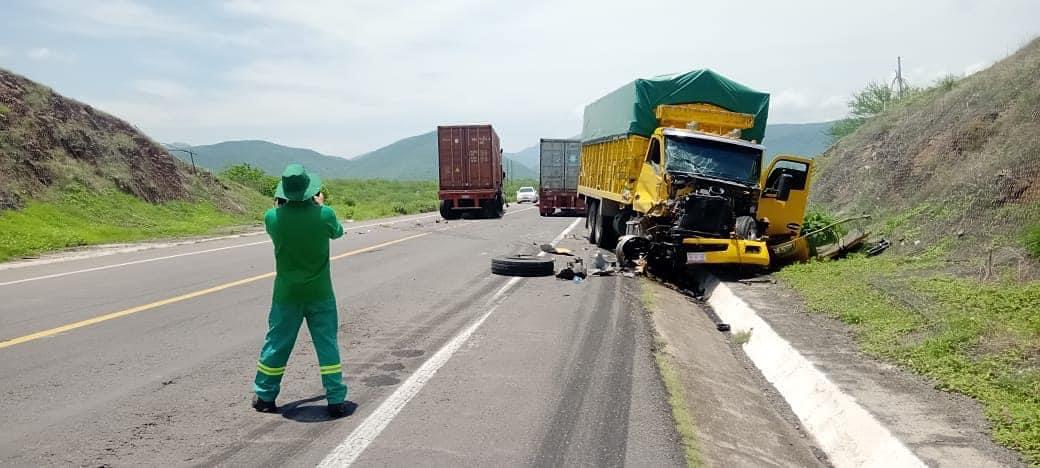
x: 560, y: 373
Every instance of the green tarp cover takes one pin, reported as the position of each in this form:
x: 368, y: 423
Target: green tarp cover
x: 630, y: 108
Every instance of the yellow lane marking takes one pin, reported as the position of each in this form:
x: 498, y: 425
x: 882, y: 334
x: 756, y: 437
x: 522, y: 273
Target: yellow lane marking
x: 183, y: 297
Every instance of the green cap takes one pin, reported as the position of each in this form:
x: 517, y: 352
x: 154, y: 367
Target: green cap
x: 297, y: 184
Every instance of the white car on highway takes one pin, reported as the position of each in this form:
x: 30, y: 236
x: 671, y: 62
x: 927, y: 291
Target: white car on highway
x: 527, y: 194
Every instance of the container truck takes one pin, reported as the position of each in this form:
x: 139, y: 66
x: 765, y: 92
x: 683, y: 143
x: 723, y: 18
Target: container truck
x: 470, y: 169
x: 560, y: 161
x: 674, y: 166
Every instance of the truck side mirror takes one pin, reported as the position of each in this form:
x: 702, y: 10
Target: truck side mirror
x: 783, y: 187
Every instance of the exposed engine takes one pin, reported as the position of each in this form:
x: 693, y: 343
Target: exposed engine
x: 710, y: 207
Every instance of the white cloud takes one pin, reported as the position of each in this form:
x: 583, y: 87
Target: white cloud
x: 128, y: 18
x: 41, y: 54
x: 976, y: 67
x: 163, y: 89
x: 347, y: 77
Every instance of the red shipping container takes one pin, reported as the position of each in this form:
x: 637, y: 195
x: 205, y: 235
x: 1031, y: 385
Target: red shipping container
x: 470, y: 171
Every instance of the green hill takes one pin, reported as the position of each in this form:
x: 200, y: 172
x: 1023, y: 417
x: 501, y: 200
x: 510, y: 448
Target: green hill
x: 270, y: 157
x: 803, y: 139
x: 951, y: 175
x: 71, y: 175
x: 412, y: 158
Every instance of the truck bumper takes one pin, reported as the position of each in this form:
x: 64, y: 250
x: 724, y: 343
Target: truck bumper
x: 566, y: 201
x: 701, y: 251
x: 466, y: 199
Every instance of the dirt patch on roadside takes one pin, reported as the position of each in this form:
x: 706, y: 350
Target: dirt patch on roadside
x: 738, y: 419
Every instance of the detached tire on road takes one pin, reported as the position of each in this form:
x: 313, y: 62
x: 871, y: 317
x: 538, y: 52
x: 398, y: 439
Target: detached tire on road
x: 522, y: 265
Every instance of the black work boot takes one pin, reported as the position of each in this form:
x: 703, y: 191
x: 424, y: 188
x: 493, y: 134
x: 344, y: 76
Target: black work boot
x: 264, y: 406
x: 340, y: 410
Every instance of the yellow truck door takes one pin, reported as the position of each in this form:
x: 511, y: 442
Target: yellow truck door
x: 651, y: 187
x: 785, y: 211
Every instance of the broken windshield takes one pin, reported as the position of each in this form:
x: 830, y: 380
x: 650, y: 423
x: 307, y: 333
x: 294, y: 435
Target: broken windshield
x: 712, y: 158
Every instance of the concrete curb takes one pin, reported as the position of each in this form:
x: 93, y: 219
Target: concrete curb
x: 843, y: 429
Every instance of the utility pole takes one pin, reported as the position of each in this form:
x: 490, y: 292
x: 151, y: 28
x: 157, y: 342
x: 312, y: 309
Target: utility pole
x: 191, y: 154
x: 899, y: 82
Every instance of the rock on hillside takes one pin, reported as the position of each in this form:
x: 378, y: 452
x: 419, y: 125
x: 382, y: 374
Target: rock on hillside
x: 49, y: 140
x: 960, y: 157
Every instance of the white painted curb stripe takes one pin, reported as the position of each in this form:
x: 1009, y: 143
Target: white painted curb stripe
x: 348, y: 451
x: 846, y: 431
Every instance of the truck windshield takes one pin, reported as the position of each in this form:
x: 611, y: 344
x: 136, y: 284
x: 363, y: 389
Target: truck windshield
x: 712, y: 158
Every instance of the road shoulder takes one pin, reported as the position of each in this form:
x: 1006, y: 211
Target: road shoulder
x: 736, y: 418
x: 941, y: 428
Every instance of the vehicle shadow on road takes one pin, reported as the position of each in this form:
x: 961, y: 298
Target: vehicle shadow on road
x: 300, y: 411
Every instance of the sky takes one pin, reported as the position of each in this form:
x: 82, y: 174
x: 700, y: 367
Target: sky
x: 347, y: 77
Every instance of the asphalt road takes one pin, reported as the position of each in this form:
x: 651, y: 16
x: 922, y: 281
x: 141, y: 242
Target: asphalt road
x: 147, y: 357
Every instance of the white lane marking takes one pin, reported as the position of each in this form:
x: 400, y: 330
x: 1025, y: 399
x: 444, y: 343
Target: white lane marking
x: 348, y: 451
x: 156, y: 259
x: 135, y: 262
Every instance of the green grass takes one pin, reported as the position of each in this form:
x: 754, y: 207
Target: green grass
x: 684, y: 422
x: 1031, y: 240
x: 370, y: 199
x: 979, y: 339
x: 81, y: 217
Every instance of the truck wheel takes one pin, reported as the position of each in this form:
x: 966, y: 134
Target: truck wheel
x: 522, y: 265
x: 590, y: 220
x: 746, y: 227
x: 447, y: 212
x: 606, y: 237
x: 498, y: 206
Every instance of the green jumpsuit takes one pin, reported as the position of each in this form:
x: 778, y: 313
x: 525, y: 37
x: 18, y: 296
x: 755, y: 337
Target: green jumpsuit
x: 300, y: 231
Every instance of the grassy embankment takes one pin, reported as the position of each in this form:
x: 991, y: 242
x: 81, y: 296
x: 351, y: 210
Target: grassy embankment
x: 981, y: 339
x: 75, y: 217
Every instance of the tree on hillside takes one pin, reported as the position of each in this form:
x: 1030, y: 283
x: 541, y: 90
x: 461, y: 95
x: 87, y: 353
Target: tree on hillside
x: 866, y: 103
x: 871, y: 100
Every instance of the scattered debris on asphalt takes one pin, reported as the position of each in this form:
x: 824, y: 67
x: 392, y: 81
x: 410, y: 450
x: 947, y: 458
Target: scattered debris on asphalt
x: 574, y: 269
x: 522, y: 265
x: 549, y: 248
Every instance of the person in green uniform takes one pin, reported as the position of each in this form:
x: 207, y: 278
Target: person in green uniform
x: 300, y: 230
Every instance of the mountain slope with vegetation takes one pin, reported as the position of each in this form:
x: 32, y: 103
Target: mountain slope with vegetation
x: 72, y: 175
x: 951, y: 174
x: 412, y: 158
x: 802, y: 139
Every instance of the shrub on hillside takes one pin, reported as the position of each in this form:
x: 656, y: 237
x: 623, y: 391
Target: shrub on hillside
x: 1032, y: 240
x: 816, y: 219
x: 252, y: 177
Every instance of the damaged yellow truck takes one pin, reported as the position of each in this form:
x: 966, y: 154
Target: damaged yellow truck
x: 672, y: 171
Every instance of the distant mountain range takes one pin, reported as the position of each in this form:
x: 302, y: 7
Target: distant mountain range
x: 415, y: 157
x: 804, y: 139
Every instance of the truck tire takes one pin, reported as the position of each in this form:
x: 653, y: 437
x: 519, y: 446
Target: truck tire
x: 447, y: 212
x: 746, y: 227
x: 494, y: 208
x: 590, y: 220
x: 522, y: 265
x: 606, y: 237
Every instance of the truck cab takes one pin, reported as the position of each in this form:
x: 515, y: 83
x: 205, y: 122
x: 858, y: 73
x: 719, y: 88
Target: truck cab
x: 720, y: 206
